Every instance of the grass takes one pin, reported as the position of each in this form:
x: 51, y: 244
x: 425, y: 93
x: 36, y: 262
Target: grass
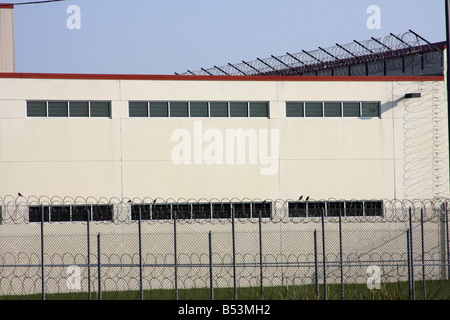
x: 435, y: 290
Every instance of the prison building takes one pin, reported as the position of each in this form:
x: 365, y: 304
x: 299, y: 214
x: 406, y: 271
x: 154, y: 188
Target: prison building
x: 351, y: 130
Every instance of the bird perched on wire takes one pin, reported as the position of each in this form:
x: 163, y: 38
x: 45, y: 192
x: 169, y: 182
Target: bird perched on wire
x: 301, y: 197
x: 19, y: 194
x: 307, y: 198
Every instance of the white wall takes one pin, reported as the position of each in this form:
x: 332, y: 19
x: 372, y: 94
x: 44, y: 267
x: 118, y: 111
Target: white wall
x: 343, y: 158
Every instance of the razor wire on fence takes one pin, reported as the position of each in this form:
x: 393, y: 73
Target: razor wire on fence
x: 87, y: 248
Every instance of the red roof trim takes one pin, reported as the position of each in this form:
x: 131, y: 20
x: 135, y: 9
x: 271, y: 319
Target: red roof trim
x: 6, y: 6
x: 14, y: 75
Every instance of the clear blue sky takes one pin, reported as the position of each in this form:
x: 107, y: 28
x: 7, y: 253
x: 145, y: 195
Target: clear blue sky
x: 168, y: 36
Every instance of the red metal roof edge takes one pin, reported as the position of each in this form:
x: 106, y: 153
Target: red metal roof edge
x: 6, y: 6
x: 77, y: 76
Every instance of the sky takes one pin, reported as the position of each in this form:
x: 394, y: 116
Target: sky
x: 173, y: 36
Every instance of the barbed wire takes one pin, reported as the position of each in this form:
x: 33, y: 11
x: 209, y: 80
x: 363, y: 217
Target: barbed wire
x: 379, y: 54
x: 16, y: 210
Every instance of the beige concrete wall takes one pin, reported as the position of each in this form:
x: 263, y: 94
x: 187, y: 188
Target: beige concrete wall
x: 342, y: 158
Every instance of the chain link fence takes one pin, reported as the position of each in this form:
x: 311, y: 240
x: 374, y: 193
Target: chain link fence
x: 86, y: 248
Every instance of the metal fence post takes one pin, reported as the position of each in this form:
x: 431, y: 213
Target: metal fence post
x: 42, y: 252
x: 88, y: 252
x: 175, y: 252
x: 211, y: 286
x: 413, y: 289
x: 423, y: 256
x: 140, y: 253
x: 448, y: 240
x: 324, y: 257
x: 99, y: 267
x: 316, y: 265
x: 340, y: 255
x: 260, y: 257
x: 234, y: 252
x: 408, y: 261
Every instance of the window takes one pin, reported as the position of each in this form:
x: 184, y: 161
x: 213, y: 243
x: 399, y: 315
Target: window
x: 179, y: 109
x: 313, y: 109
x: 212, y: 109
x: 351, y: 109
x: 138, y: 109
x: 58, y: 109
x: 64, y: 109
x: 259, y: 109
x: 201, y: 210
x: 198, y: 109
x: 333, y: 109
x: 218, y: 109
x: 79, y: 108
x: 66, y: 213
x: 354, y: 208
x: 370, y: 109
x: 100, y: 109
x: 159, y: 109
x: 294, y: 109
x: 238, y: 109
x: 36, y: 108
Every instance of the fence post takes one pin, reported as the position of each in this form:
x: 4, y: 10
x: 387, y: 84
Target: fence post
x: 316, y: 265
x: 324, y: 257
x: 413, y: 289
x: 42, y: 252
x: 448, y: 240
x: 409, y: 261
x: 340, y: 254
x: 175, y: 252
x: 88, y: 252
x: 99, y: 267
x: 261, y: 257
x: 423, y: 256
x: 211, y: 286
x: 234, y: 251
x: 140, y: 253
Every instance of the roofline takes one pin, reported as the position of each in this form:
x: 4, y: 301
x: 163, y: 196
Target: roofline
x: 6, y: 5
x: 79, y: 76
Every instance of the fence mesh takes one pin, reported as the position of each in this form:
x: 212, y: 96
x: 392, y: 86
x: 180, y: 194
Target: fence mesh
x: 86, y: 248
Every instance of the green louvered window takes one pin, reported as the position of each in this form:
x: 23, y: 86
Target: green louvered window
x: 198, y: 109
x: 179, y: 109
x: 159, y: 109
x: 138, y: 109
x: 238, y: 109
x: 36, y: 108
